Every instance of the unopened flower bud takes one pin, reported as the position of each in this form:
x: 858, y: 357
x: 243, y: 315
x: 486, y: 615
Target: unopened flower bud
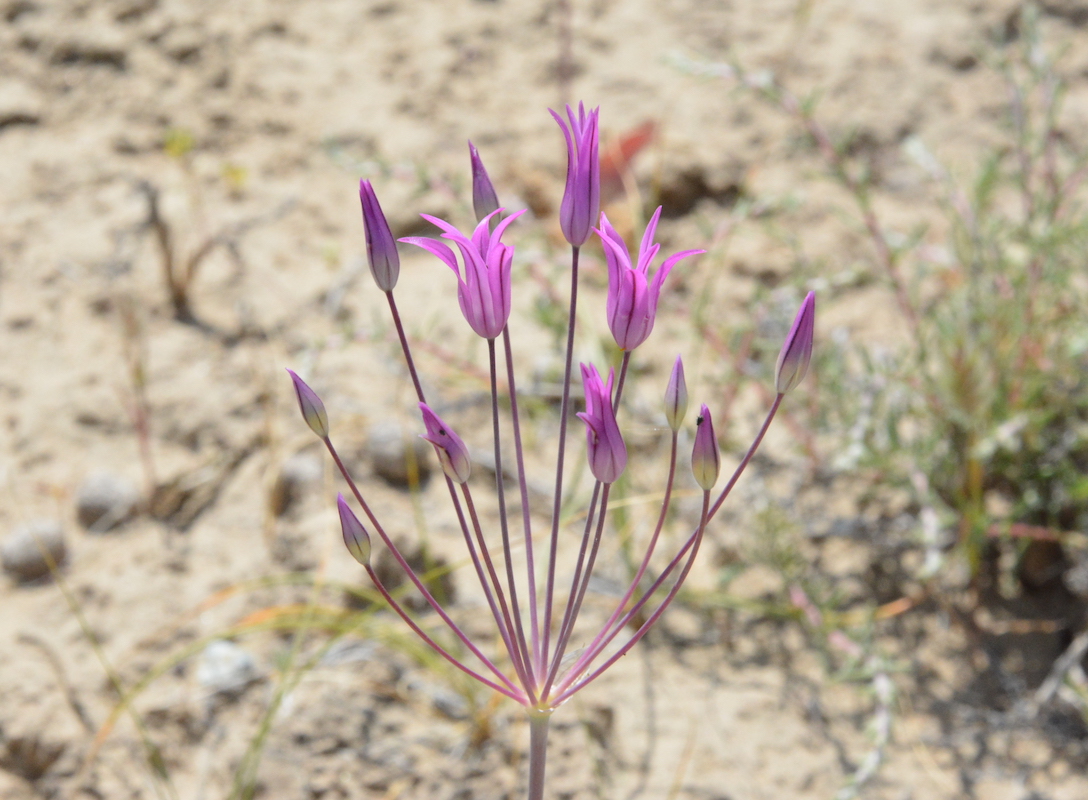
x: 356, y: 539
x: 381, y: 248
x: 676, y: 396
x: 451, y: 451
x: 797, y: 349
x: 484, y: 198
x: 706, y: 461
x: 313, y: 410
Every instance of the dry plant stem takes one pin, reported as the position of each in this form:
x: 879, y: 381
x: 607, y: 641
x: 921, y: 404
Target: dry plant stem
x: 538, y: 750
x: 572, y: 682
x: 404, y: 347
x: 504, y: 526
x: 791, y: 105
x: 564, y: 407
x: 523, y: 488
x: 512, y: 690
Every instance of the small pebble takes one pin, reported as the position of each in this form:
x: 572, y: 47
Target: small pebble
x: 226, y: 669
x: 298, y: 473
x: 400, y: 458
x: 104, y: 501
x: 23, y: 551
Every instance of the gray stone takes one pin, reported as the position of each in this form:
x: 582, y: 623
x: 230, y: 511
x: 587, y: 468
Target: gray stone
x: 25, y: 553
x: 226, y: 669
x: 397, y: 456
x: 298, y: 473
x: 105, y: 500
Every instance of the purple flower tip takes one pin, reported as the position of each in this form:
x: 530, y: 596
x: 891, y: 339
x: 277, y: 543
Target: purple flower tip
x: 356, y: 539
x: 582, y: 196
x: 451, y: 451
x: 706, y: 461
x: 484, y: 199
x: 797, y: 350
x: 676, y: 396
x: 632, y: 297
x: 381, y: 249
x: 313, y: 410
x: 607, y: 451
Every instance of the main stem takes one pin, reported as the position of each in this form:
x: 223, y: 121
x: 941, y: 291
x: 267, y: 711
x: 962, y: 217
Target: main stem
x: 538, y: 750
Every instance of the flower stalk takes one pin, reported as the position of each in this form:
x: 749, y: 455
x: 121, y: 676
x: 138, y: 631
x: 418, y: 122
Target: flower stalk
x: 532, y: 622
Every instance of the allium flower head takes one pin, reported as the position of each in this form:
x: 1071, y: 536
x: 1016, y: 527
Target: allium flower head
x: 607, y: 451
x: 313, y: 410
x: 484, y: 199
x: 706, y: 461
x: 632, y: 297
x: 452, y: 453
x: 484, y: 291
x: 381, y: 250
x: 582, y: 196
x: 797, y: 350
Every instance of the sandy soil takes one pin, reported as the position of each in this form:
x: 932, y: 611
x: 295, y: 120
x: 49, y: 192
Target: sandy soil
x: 251, y: 122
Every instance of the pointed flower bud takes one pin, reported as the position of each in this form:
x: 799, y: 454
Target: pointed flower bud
x: 484, y: 292
x: 356, y: 539
x: 381, y: 250
x: 632, y: 298
x: 797, y: 349
x: 676, y: 396
x: 313, y: 410
x: 607, y: 452
x: 451, y: 451
x: 484, y: 199
x: 706, y: 461
x: 582, y: 197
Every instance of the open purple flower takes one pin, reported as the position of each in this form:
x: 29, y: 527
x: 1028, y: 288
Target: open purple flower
x: 381, y: 250
x: 484, y: 291
x: 582, y: 196
x: 607, y: 452
x: 632, y: 297
x: 451, y: 451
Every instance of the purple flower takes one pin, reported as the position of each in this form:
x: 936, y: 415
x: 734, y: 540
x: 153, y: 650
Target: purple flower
x: 632, y: 298
x: 356, y: 539
x: 313, y: 410
x: 381, y: 250
x: 484, y: 198
x: 452, y: 453
x: 797, y: 349
x: 582, y: 197
x: 484, y: 292
x: 607, y: 452
x: 706, y: 461
x: 676, y: 396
